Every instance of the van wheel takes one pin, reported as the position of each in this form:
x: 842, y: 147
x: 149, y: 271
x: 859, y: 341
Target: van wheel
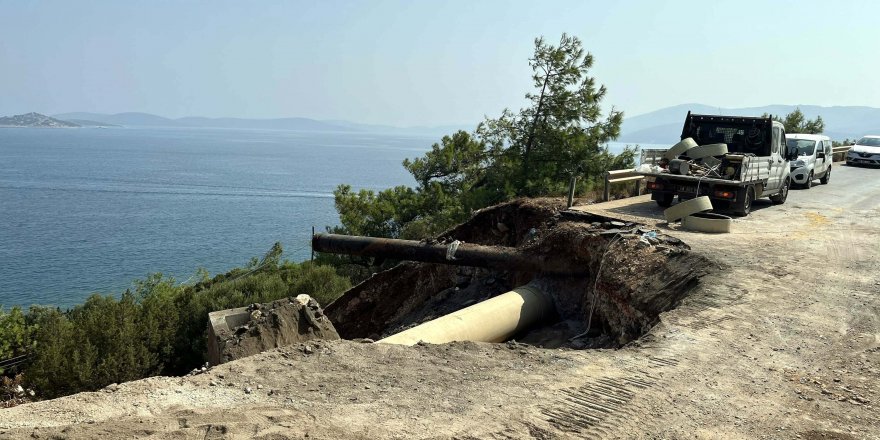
x: 665, y: 200
x: 780, y: 197
x: 745, y: 206
x: 809, y: 183
x: 824, y: 180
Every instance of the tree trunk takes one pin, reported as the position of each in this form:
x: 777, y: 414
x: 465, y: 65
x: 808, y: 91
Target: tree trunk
x: 531, y: 139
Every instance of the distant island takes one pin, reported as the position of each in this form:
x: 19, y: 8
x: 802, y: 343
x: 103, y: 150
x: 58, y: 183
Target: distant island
x: 134, y: 119
x: 35, y: 120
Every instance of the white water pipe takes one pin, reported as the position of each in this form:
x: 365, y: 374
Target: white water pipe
x: 496, y: 319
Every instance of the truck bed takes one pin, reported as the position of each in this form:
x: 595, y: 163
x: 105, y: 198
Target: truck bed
x: 697, y: 179
x: 754, y: 169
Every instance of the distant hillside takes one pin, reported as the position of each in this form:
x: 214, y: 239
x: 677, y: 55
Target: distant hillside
x: 122, y: 119
x: 149, y: 120
x: 302, y: 124
x: 34, y: 120
x: 664, y: 126
x: 88, y: 123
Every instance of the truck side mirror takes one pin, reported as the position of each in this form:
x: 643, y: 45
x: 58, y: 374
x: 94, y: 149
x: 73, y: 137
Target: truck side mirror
x: 820, y: 155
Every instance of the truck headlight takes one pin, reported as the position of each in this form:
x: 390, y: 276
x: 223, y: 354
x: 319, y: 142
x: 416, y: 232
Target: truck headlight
x: 798, y: 163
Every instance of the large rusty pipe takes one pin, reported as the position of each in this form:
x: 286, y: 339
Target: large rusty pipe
x: 465, y: 254
x: 494, y: 320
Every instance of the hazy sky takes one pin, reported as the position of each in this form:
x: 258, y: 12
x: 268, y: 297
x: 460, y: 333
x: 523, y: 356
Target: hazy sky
x: 424, y: 62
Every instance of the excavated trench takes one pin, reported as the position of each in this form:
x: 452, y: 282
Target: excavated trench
x: 633, y: 274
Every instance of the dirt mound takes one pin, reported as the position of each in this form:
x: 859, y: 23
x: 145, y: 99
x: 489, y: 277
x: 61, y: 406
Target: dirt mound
x: 635, y: 273
x: 260, y: 327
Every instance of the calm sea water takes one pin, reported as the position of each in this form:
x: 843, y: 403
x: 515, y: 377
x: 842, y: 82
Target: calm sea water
x: 90, y: 210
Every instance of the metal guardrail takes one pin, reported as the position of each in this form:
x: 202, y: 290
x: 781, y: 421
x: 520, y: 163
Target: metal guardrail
x: 14, y: 361
x: 841, y: 150
x: 617, y: 176
x: 651, y: 156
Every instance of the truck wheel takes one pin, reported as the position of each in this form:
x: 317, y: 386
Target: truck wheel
x: 745, y: 206
x: 809, y: 183
x: 665, y: 200
x: 779, y: 198
x: 824, y: 180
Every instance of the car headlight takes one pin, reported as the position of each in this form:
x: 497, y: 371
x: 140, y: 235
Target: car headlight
x: 798, y: 163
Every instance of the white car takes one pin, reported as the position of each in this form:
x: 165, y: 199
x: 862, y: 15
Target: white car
x: 814, y: 158
x: 865, y: 152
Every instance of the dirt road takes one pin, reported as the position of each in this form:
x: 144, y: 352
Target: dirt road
x: 782, y: 343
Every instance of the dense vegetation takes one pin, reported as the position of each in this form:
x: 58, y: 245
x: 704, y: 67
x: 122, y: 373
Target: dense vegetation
x: 796, y: 122
x: 158, y: 327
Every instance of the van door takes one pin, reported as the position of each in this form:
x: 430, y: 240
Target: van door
x: 819, y: 163
x: 777, y: 150
x: 829, y: 157
x: 829, y: 154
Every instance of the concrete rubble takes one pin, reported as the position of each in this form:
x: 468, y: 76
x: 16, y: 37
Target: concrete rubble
x: 245, y: 331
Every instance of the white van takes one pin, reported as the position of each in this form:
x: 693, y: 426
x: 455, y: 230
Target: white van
x: 814, y: 158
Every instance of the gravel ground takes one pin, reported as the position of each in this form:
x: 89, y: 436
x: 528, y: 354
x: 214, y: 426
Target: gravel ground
x: 783, y: 342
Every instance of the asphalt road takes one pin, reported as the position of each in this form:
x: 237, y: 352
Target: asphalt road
x: 793, y: 347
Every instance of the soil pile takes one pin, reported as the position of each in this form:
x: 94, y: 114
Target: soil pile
x: 275, y: 324
x: 634, y: 274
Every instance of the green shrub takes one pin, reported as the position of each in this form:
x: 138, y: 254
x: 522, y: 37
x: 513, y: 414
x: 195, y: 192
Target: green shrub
x: 14, y: 334
x: 158, y: 328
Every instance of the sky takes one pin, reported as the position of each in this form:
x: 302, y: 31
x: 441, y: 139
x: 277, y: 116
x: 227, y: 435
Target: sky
x: 419, y: 62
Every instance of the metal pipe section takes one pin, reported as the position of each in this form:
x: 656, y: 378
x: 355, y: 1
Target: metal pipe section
x: 494, y: 320
x: 456, y: 253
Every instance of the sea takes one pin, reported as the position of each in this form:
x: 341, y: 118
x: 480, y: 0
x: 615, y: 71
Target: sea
x: 90, y: 210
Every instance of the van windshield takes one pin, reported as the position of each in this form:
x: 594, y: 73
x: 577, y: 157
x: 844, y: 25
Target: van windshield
x: 805, y: 147
x: 869, y: 142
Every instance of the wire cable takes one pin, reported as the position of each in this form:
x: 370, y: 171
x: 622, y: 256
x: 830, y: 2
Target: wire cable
x: 617, y: 237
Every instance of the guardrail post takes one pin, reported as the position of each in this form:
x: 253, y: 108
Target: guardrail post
x: 607, y: 194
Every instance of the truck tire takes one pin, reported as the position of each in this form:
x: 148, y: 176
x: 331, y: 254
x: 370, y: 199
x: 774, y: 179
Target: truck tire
x: 744, y: 206
x: 780, y: 197
x: 665, y: 200
x: 824, y: 180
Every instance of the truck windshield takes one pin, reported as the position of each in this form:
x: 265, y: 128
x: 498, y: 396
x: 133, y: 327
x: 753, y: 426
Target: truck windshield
x: 869, y: 142
x: 805, y: 147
